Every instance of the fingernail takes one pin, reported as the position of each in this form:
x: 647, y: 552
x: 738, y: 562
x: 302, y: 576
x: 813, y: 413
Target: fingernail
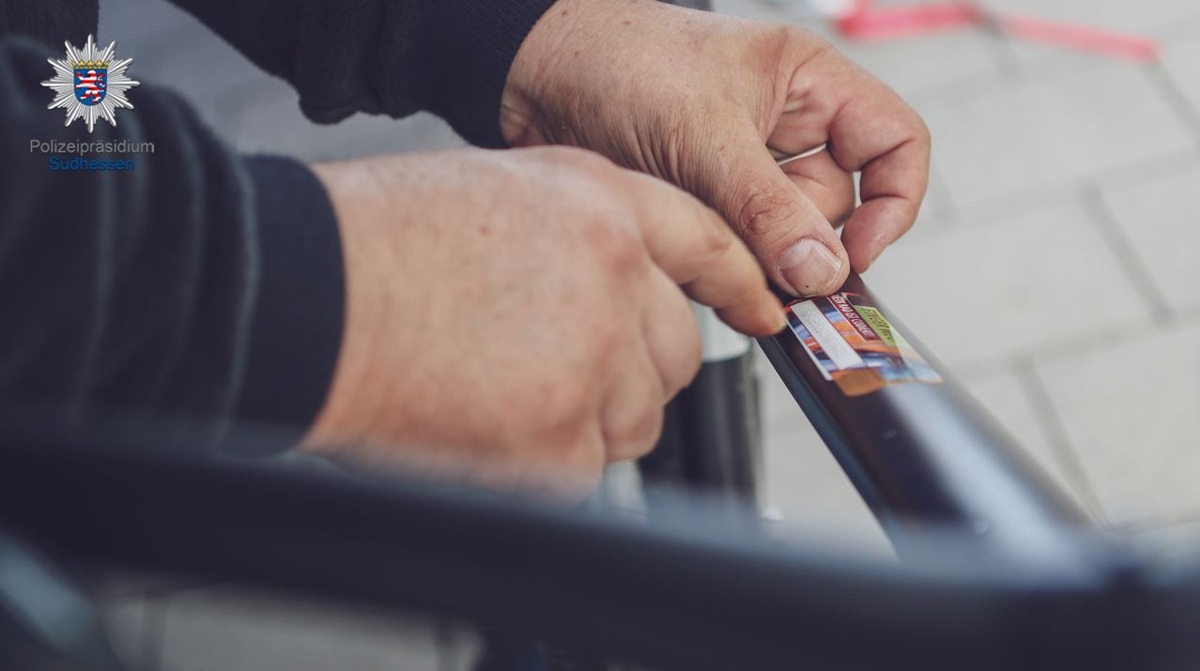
x: 809, y: 267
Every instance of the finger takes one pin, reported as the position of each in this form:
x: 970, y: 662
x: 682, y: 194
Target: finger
x: 826, y: 185
x: 881, y: 136
x: 631, y: 416
x: 697, y: 250
x: 672, y: 337
x: 792, y: 239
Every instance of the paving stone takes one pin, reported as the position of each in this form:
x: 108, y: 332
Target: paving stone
x: 1007, y: 400
x: 813, y: 497
x: 276, y: 125
x: 775, y: 12
x: 227, y: 630
x: 1039, y: 133
x: 936, y: 61
x: 1163, y: 20
x: 982, y: 293
x: 125, y: 620
x: 1115, y: 15
x: 1159, y: 219
x: 139, y: 22
x: 1181, y: 63
x: 1132, y: 414
x: 213, y: 76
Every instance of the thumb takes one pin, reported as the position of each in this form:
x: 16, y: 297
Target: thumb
x: 796, y: 245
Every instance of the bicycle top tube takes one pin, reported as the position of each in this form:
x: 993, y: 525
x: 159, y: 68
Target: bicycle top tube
x: 914, y: 443
x: 681, y: 598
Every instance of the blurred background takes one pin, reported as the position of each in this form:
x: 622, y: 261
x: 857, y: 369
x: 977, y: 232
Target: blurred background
x: 1053, y: 269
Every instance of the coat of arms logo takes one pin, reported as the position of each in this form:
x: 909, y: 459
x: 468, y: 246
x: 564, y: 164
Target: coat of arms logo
x: 90, y: 83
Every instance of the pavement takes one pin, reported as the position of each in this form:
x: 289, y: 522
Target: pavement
x: 1053, y: 269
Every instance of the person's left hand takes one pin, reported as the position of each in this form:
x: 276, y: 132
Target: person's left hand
x: 708, y: 102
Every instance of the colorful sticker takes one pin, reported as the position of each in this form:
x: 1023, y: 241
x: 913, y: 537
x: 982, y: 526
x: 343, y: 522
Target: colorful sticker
x: 855, y: 346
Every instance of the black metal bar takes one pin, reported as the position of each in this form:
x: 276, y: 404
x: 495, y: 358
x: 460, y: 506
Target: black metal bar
x: 711, y: 440
x: 926, y: 452
x: 687, y: 599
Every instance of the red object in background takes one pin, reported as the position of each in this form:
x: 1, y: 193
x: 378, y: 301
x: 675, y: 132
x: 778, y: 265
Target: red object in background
x: 893, y: 22
x: 865, y: 22
x: 1081, y: 38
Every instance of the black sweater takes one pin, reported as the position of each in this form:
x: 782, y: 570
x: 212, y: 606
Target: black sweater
x: 205, y: 289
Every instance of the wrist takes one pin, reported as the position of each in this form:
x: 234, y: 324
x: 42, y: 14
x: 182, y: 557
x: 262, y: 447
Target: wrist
x: 519, y: 113
x: 554, y: 56
x: 356, y: 194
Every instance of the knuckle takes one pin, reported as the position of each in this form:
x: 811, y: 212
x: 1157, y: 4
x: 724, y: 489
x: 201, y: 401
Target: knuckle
x: 713, y: 236
x: 924, y: 136
x: 617, y: 246
x: 680, y: 359
x: 921, y: 134
x: 565, y: 408
x: 764, y: 212
x: 638, y: 435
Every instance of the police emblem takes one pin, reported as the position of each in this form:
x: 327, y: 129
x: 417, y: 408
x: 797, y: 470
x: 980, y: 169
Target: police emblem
x: 90, y: 83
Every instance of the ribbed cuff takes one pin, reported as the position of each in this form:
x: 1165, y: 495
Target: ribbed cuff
x: 464, y: 50
x: 296, y: 330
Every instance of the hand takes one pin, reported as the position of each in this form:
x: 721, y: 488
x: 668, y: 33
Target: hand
x: 704, y: 101
x: 515, y: 318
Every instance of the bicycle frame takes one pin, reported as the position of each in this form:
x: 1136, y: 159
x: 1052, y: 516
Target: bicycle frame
x: 687, y: 598
x: 926, y: 453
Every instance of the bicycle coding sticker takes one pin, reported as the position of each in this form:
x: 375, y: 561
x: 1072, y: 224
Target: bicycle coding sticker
x: 855, y: 346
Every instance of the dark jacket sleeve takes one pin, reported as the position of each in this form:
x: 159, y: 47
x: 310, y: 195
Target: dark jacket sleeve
x: 198, y: 289
x: 449, y: 57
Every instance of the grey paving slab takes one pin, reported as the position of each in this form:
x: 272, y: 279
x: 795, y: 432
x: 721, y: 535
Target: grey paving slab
x: 981, y: 294
x: 908, y: 65
x: 226, y: 629
x: 276, y: 125
x: 1006, y: 397
x: 251, y: 109
x: 1115, y: 15
x: 783, y: 11
x: 1132, y: 414
x: 213, y: 76
x: 1162, y: 20
x: 931, y: 63
x: 139, y: 22
x: 1043, y: 133
x: 125, y: 620
x: 1161, y: 221
x: 814, y: 499
x: 1181, y: 63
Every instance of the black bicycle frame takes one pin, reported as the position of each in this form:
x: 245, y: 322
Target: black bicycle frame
x: 682, y: 598
x: 927, y: 453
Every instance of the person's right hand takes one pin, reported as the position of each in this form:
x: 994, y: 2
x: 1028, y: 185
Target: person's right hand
x: 515, y: 318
